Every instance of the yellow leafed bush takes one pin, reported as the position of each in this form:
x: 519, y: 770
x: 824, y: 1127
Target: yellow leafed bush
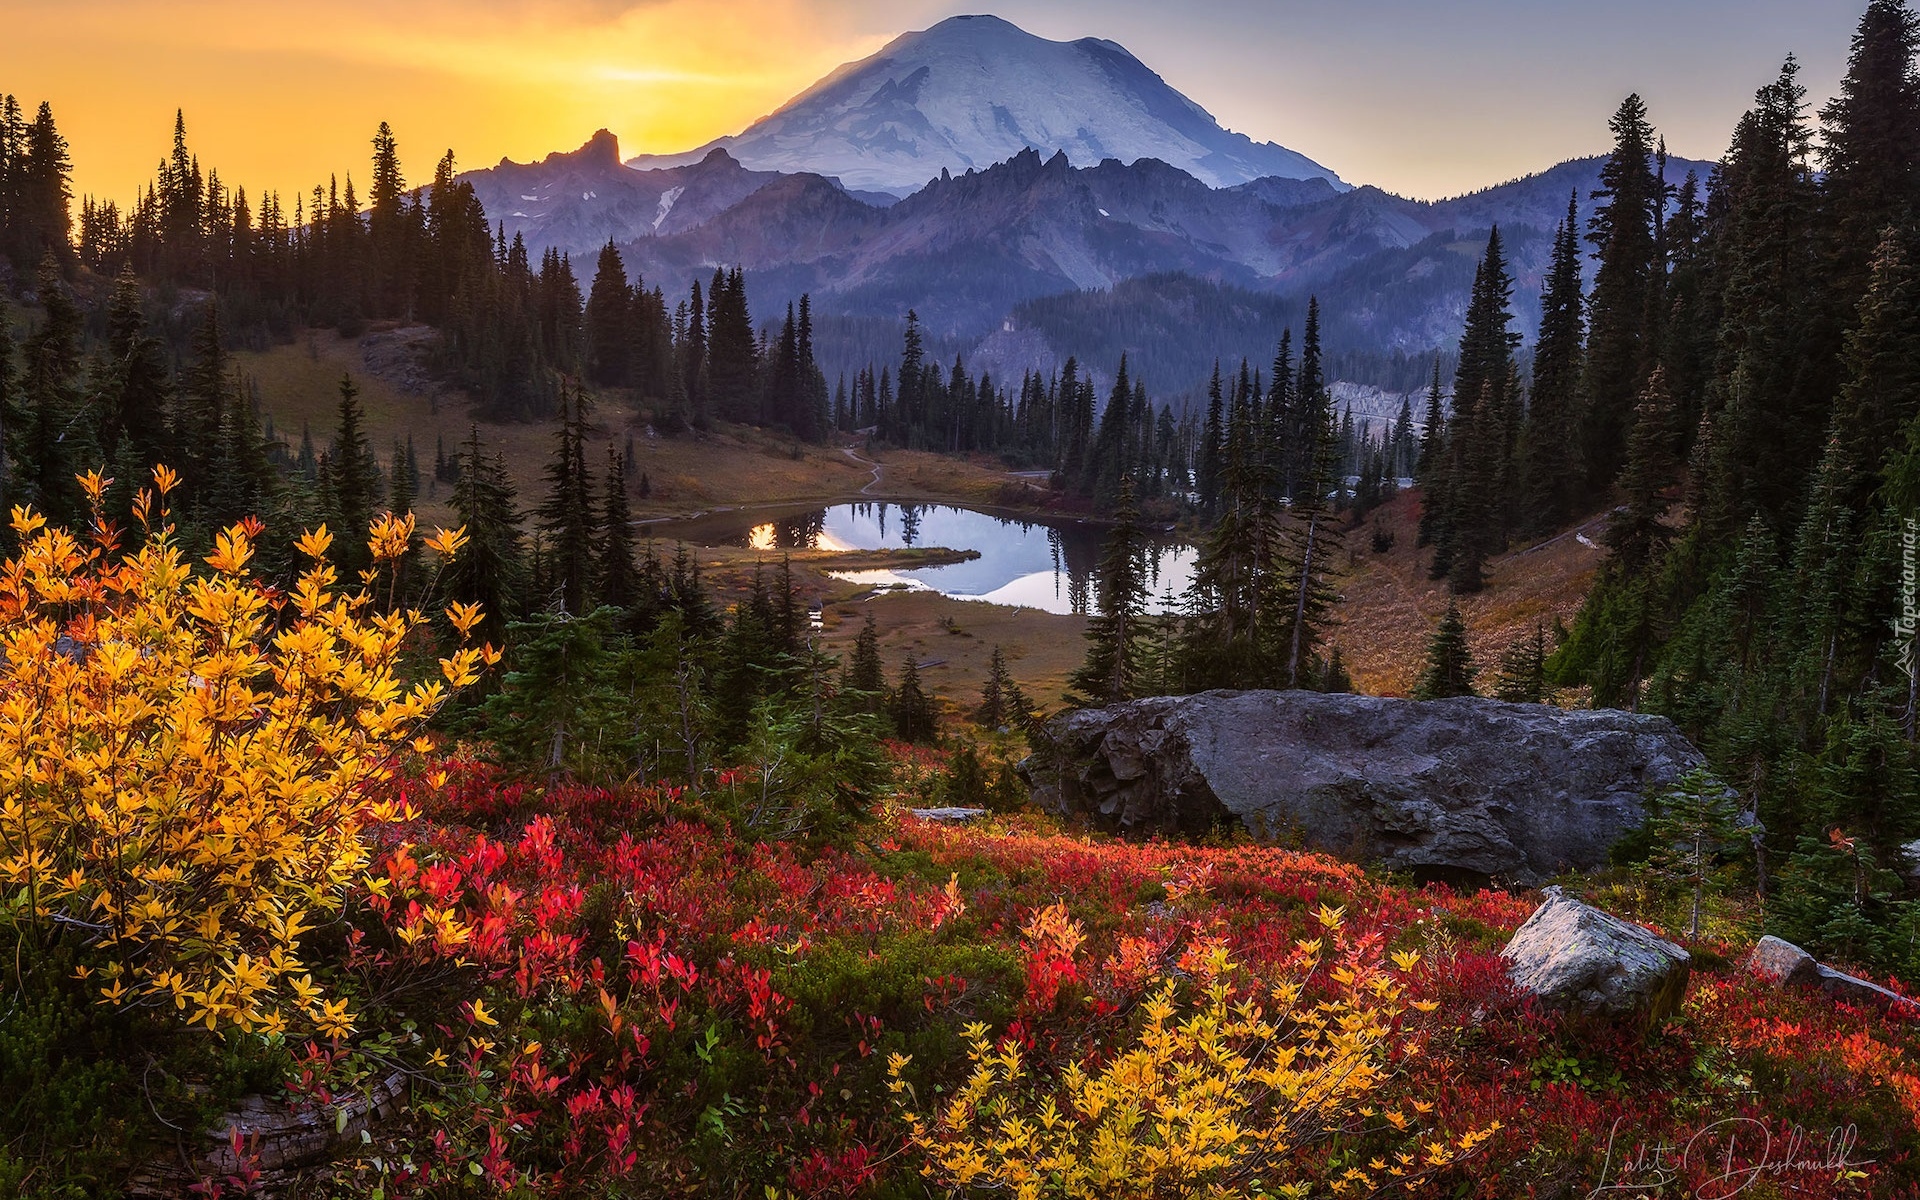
x: 189, y: 759
x: 1221, y: 1093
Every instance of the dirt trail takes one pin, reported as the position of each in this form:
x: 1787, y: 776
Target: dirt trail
x: 851, y: 453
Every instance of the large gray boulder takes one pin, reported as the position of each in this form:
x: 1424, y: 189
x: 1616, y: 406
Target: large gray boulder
x: 1465, y: 787
x: 1576, y: 957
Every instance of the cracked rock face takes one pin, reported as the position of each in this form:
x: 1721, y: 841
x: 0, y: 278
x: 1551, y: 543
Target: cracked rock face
x: 1463, y: 788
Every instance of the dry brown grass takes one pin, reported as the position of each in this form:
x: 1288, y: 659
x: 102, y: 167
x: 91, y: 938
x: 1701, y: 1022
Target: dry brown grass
x: 731, y: 467
x: 1388, y: 606
x: 1041, y: 649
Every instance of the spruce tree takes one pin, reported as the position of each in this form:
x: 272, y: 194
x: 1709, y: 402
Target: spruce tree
x: 865, y: 682
x: 47, y: 436
x: 1479, y: 442
x: 1638, y: 533
x: 911, y: 708
x: 1429, y: 469
x: 490, y: 569
x: 1213, y: 446
x: 1778, y: 353
x: 618, y: 578
x: 136, y: 394
x: 1113, y: 663
x: 1618, y: 356
x: 1692, y: 825
x: 351, y: 481
x: 1547, y: 441
x: 567, y: 513
x: 1871, y: 145
x: 1308, y: 549
x: 1523, y: 676
x: 403, y: 482
x: 609, y: 338
x: 1450, y: 670
x: 1001, y: 702
x: 1880, y: 399
x: 204, y: 397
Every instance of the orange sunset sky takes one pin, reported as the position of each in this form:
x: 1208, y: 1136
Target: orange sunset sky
x: 1424, y: 99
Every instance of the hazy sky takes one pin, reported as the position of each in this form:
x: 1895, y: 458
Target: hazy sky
x: 1424, y: 98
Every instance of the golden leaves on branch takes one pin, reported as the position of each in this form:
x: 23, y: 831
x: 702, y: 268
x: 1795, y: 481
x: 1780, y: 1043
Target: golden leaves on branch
x: 188, y: 766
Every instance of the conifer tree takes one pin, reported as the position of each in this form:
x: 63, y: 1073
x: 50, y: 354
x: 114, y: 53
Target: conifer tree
x: 1692, y: 824
x: 1881, y: 396
x: 1429, y: 468
x: 1002, y: 703
x: 1777, y: 361
x: 1236, y: 596
x: 1547, y: 442
x: 1618, y: 356
x: 1637, y: 533
x: 911, y: 708
x: 201, y: 411
x: 1523, y: 675
x: 47, y: 438
x: 490, y: 569
x: 865, y: 682
x: 1450, y: 670
x: 351, y: 480
x: 1213, y: 447
x: 136, y: 393
x: 618, y: 579
x: 567, y: 513
x: 1871, y: 150
x: 1113, y: 663
x: 1308, y: 549
x: 1472, y: 525
x: 41, y: 226
x: 609, y: 339
x: 403, y: 480
x: 11, y: 408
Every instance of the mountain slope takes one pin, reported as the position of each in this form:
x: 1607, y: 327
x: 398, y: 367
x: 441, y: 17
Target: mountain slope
x: 965, y: 251
x: 973, y: 91
x: 578, y: 201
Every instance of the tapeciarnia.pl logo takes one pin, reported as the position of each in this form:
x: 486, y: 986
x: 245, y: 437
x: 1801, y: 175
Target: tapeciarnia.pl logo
x: 1905, y: 623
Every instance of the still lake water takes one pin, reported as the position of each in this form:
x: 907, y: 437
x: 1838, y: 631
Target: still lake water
x: 1049, y: 565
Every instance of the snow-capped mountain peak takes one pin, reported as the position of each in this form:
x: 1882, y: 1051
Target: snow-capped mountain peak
x: 975, y: 90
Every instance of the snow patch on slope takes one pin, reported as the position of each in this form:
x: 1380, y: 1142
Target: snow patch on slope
x: 666, y: 204
x: 976, y: 90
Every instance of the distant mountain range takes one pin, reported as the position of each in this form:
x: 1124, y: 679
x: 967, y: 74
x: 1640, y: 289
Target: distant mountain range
x: 1092, y: 247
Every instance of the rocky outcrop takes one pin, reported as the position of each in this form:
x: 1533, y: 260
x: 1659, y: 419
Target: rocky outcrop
x: 1576, y: 957
x: 1464, y: 788
x: 1780, y: 961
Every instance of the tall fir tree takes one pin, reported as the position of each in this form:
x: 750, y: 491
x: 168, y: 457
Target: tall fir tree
x: 1546, y: 494
x: 1623, y: 233
x: 1114, y: 636
x: 566, y: 514
x: 490, y: 569
x: 609, y: 338
x: 617, y: 580
x: 351, y: 481
x: 1871, y: 145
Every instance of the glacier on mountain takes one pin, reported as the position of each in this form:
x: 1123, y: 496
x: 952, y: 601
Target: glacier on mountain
x: 977, y: 90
